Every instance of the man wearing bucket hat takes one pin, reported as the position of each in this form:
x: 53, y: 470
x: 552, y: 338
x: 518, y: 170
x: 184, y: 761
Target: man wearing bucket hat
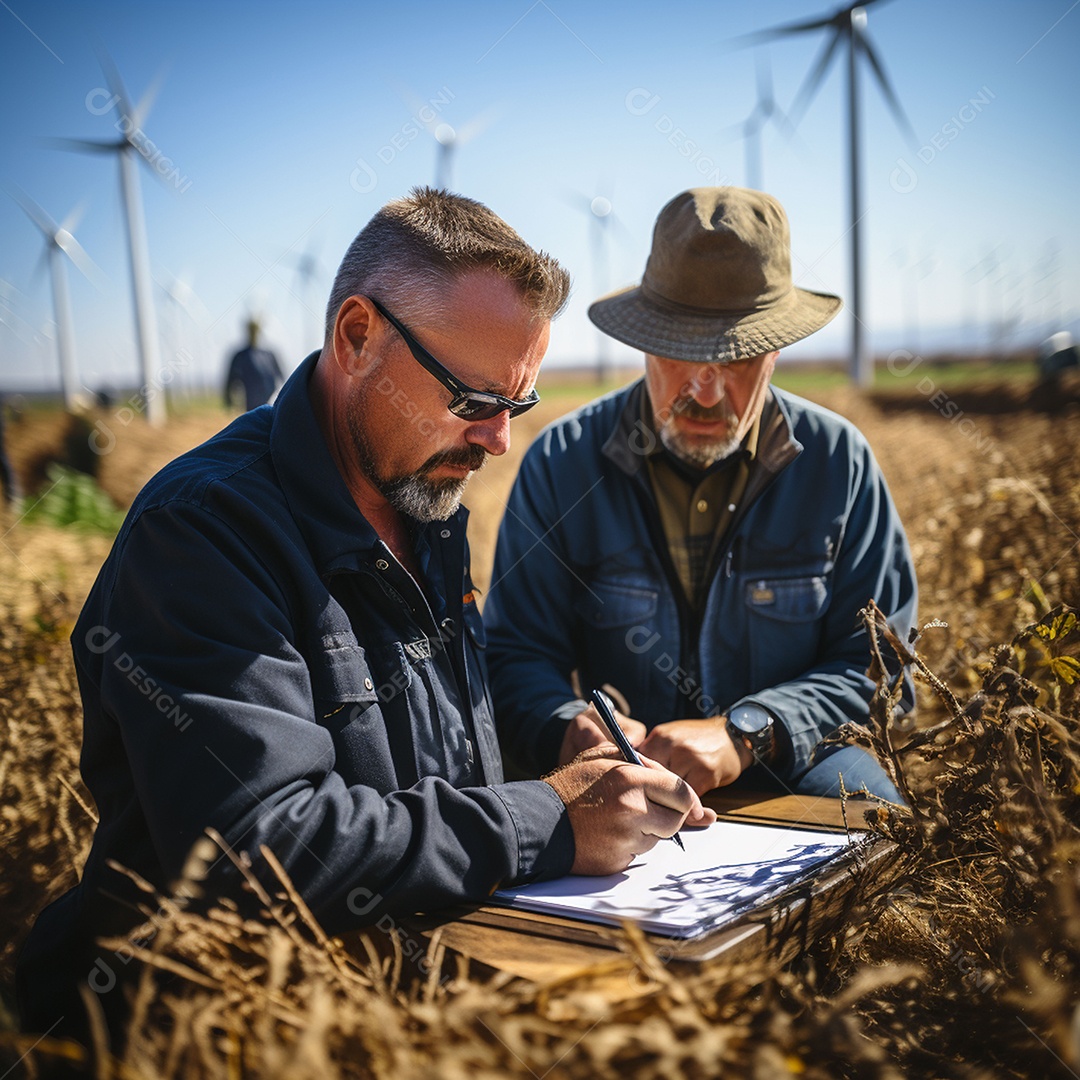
x: 701, y: 542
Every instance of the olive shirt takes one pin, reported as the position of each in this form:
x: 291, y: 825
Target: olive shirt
x: 697, y: 505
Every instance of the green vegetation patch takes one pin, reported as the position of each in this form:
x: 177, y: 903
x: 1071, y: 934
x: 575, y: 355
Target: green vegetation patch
x: 73, y: 499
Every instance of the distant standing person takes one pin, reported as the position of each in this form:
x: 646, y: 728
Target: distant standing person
x: 254, y: 372
x: 7, y: 474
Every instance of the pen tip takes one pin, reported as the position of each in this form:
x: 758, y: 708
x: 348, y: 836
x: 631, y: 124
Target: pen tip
x: 678, y: 840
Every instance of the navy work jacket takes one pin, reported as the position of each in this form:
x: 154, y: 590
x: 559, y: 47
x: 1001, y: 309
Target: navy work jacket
x: 583, y: 581
x: 252, y: 658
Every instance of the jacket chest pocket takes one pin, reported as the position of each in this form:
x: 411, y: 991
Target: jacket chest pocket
x: 615, y: 615
x: 785, y: 616
x: 346, y: 699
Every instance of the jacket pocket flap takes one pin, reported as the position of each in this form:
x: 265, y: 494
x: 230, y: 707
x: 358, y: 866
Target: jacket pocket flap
x: 342, y: 674
x: 788, y: 599
x: 608, y: 604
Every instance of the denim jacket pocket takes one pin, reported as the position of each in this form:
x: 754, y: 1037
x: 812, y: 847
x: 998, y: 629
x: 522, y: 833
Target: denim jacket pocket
x: 785, y: 617
x: 792, y: 599
x: 609, y: 604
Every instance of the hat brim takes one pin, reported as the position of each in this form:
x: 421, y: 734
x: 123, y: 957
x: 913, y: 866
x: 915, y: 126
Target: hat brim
x: 632, y: 318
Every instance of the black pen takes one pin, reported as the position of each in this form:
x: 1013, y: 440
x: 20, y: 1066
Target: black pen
x: 618, y: 736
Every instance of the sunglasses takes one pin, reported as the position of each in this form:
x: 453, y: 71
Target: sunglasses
x: 467, y: 403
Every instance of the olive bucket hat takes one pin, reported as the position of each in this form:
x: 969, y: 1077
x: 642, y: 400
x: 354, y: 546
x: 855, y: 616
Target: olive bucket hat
x: 717, y: 286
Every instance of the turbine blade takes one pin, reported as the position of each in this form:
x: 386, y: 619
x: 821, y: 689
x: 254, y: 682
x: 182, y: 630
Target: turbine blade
x: 116, y: 83
x: 478, y: 124
x: 34, y: 212
x: 146, y: 102
x: 618, y: 226
x: 862, y: 42
x: 83, y: 146
x: 71, y: 222
x: 782, y: 121
x: 416, y: 105
x: 87, y: 267
x: 576, y: 199
x: 735, y: 131
x: 181, y: 292
x: 785, y: 30
x: 812, y: 83
x: 775, y: 33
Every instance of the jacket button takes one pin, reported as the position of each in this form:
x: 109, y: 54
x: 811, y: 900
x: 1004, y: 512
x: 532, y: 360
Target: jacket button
x: 382, y: 564
x: 368, y: 684
x: 445, y: 534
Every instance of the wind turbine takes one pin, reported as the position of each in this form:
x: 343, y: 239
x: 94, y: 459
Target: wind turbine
x: 601, y: 220
x: 750, y: 129
x: 183, y: 309
x: 913, y: 270
x: 848, y: 26
x: 128, y: 147
x: 60, y: 243
x: 450, y: 138
x: 307, y: 269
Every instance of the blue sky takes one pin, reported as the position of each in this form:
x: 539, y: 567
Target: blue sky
x: 289, y: 125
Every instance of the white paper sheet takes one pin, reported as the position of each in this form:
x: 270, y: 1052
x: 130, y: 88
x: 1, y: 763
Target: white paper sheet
x: 726, y: 868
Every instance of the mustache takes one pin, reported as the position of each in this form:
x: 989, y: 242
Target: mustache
x: 691, y: 409
x: 471, y: 457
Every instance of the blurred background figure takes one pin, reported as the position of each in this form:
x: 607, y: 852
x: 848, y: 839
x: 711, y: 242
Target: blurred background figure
x: 7, y: 475
x: 254, y: 374
x: 1057, y: 353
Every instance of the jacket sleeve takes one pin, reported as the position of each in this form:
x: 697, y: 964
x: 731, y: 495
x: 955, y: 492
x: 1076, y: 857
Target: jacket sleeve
x: 533, y: 631
x: 214, y: 709
x: 873, y: 562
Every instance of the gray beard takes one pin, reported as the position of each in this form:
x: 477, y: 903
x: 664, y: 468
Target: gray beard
x: 423, y: 499
x: 416, y: 495
x: 697, y: 451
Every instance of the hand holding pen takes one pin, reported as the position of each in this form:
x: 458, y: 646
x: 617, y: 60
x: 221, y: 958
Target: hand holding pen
x: 603, y: 706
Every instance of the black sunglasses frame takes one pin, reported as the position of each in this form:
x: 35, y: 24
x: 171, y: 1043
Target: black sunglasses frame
x: 467, y: 403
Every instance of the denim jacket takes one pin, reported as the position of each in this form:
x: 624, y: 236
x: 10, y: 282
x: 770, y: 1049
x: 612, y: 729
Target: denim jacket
x: 583, y: 582
x: 253, y: 658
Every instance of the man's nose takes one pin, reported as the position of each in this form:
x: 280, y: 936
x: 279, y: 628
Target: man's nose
x: 707, y: 386
x: 493, y: 435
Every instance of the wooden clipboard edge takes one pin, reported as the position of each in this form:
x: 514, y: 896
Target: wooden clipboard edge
x: 790, y: 920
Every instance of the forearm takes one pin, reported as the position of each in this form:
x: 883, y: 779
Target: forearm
x: 809, y: 708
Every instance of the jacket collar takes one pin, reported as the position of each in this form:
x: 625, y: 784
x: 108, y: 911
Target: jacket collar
x: 338, y: 536
x: 631, y: 441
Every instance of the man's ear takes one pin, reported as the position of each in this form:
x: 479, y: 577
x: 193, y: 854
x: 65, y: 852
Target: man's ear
x: 354, y: 326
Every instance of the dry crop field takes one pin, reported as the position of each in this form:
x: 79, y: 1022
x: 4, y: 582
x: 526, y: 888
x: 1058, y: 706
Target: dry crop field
x: 968, y: 965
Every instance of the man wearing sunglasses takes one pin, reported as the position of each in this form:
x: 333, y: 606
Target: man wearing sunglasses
x: 285, y: 645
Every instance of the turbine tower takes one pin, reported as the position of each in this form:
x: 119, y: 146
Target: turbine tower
x: 59, y: 242
x: 848, y: 26
x: 128, y: 148
x: 602, y: 219
x: 307, y: 269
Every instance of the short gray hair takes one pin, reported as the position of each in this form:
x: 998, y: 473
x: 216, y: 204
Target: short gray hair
x: 414, y: 247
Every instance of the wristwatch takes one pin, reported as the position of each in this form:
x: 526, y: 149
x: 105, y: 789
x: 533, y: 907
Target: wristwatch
x: 753, y: 726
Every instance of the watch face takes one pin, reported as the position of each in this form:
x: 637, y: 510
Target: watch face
x: 754, y: 726
x: 750, y: 719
